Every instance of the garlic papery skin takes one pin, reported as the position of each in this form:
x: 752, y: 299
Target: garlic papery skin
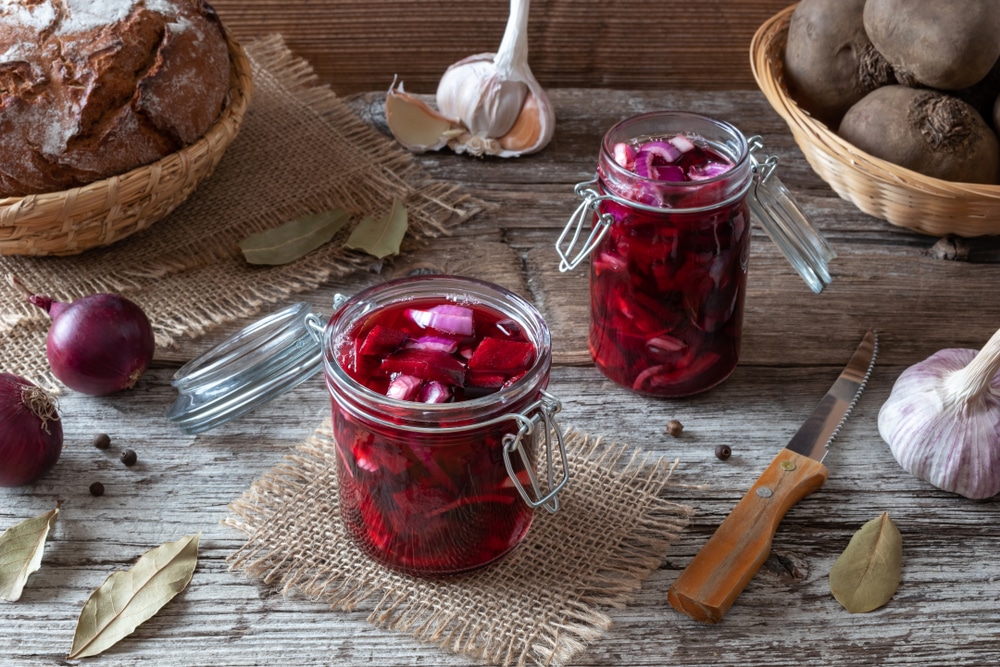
x: 497, y: 98
x: 415, y: 125
x: 942, y: 420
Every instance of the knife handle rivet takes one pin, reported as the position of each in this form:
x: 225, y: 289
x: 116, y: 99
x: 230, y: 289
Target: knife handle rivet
x: 788, y: 465
x: 764, y: 492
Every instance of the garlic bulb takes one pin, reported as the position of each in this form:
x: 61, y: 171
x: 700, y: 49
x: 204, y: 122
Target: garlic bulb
x: 942, y: 420
x: 488, y: 104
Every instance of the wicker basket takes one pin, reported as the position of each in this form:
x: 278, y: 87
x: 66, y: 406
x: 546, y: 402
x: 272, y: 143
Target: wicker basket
x: 102, y: 212
x: 879, y: 188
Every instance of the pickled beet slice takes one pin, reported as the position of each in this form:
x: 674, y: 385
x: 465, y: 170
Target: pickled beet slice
x: 502, y: 498
x: 430, y: 365
x: 381, y: 341
x: 502, y: 357
x: 485, y: 379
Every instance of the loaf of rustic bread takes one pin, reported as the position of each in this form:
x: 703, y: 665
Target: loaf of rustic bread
x: 94, y: 88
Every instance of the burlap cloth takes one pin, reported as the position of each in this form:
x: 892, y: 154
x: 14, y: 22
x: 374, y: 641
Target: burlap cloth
x: 300, y: 150
x: 541, y: 605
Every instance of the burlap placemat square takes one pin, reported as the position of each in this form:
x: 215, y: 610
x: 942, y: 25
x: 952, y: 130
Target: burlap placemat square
x: 301, y: 150
x: 541, y: 605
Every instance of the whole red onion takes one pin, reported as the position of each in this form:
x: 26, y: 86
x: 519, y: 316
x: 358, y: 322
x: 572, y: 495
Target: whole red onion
x: 31, y: 436
x: 98, y: 344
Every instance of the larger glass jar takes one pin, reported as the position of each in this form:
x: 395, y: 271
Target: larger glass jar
x: 440, y: 488
x: 670, y: 248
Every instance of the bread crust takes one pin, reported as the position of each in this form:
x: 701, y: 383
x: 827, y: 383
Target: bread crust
x: 94, y: 88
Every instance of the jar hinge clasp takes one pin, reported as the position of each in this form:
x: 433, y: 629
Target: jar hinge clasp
x: 541, y: 412
x: 591, y: 204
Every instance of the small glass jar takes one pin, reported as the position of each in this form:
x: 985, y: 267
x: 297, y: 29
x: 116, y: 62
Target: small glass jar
x: 425, y: 488
x: 669, y: 258
x: 441, y: 488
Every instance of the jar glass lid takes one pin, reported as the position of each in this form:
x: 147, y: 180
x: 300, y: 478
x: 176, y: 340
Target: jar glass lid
x: 260, y: 362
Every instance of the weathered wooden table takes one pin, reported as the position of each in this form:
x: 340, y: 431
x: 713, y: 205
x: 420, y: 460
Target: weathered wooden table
x: 947, y: 608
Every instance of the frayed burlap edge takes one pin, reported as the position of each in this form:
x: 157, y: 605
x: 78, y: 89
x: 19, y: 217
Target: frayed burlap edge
x: 568, y: 607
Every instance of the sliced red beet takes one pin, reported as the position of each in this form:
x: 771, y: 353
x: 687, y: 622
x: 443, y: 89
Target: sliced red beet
x: 501, y: 356
x: 430, y: 365
x: 485, y: 379
x: 381, y: 341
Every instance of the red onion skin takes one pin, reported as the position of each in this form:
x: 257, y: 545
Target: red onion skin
x: 98, y: 344
x: 29, y: 444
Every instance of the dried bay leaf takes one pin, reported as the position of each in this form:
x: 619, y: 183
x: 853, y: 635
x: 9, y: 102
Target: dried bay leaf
x: 21, y: 548
x: 380, y: 237
x: 866, y: 575
x: 295, y: 239
x: 128, y: 598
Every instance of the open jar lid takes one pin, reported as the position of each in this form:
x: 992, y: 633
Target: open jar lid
x: 786, y: 223
x: 260, y: 362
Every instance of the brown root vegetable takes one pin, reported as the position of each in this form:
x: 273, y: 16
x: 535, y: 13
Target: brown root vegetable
x: 829, y: 61
x: 944, y: 44
x: 982, y: 94
x: 927, y: 131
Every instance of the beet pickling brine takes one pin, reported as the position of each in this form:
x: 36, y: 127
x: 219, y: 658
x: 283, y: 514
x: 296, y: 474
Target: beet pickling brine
x: 432, y: 379
x: 668, y: 278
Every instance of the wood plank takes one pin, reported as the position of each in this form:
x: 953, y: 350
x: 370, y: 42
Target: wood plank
x: 794, y: 345
x: 572, y: 43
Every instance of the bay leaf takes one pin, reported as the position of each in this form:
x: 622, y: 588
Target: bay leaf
x: 380, y: 236
x: 21, y: 548
x: 866, y: 575
x: 295, y: 239
x: 129, y: 598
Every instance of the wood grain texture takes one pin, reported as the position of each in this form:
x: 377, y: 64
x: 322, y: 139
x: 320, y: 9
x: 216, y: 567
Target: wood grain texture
x: 359, y: 45
x: 947, y: 608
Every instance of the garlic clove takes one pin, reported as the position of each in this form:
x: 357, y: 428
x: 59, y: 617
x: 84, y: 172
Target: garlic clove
x: 415, y: 124
x: 533, y: 129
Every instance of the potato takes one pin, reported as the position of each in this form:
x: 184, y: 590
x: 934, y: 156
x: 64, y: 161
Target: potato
x: 943, y: 44
x: 928, y: 131
x: 829, y: 61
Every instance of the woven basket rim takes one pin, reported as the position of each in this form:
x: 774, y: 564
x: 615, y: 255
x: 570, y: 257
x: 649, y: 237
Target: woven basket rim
x: 766, y: 61
x: 237, y: 101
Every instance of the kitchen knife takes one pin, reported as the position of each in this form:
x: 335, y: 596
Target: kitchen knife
x: 716, y: 576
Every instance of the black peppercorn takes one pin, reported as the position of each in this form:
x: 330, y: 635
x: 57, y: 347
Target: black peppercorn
x: 97, y: 489
x: 723, y: 452
x: 102, y: 441
x: 129, y: 457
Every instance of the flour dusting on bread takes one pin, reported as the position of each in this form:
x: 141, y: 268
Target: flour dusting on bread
x: 94, y: 88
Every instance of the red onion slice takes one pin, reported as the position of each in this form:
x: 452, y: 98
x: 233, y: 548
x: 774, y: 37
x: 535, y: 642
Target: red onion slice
x: 446, y: 317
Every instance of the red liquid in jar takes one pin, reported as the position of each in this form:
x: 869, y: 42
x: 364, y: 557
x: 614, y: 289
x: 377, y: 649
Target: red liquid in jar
x: 432, y: 503
x: 667, y: 287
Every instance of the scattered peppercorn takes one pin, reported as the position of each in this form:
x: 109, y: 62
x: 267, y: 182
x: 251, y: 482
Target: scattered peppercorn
x: 102, y: 441
x: 674, y: 428
x: 97, y: 489
x: 723, y: 452
x: 129, y: 457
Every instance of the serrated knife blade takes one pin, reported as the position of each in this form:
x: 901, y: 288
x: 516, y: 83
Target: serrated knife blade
x: 712, y: 581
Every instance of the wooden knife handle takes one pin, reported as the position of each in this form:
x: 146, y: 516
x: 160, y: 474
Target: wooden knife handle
x: 725, y: 565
